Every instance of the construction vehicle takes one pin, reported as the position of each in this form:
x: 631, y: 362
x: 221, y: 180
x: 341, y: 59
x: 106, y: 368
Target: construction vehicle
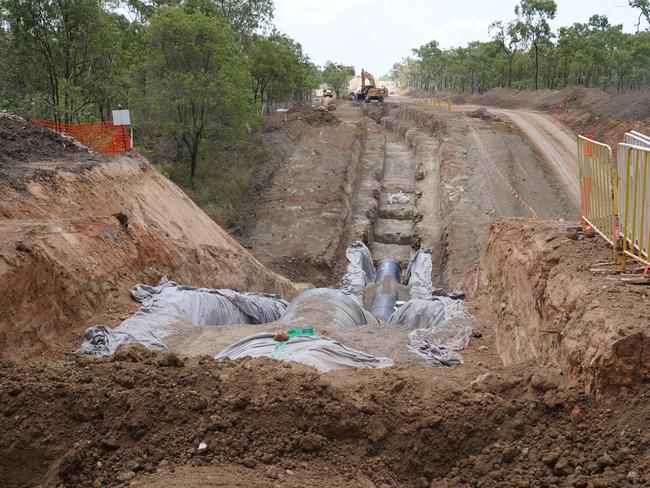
x: 328, y: 92
x: 370, y: 91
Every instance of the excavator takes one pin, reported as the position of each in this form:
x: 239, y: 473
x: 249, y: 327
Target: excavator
x: 370, y: 91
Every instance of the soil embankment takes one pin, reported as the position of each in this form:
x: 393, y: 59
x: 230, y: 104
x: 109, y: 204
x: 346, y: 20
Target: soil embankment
x: 297, y: 223
x: 558, y: 302
x: 79, y: 230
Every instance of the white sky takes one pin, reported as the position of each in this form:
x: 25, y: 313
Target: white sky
x: 373, y: 34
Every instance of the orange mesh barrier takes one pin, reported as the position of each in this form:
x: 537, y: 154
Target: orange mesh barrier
x: 101, y: 137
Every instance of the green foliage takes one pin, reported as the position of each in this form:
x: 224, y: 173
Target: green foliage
x: 524, y: 53
x: 280, y: 71
x: 62, y: 50
x: 191, y: 82
x: 337, y: 76
x: 644, y: 11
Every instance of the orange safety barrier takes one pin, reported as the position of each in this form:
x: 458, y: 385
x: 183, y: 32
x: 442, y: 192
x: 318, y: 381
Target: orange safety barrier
x: 103, y: 137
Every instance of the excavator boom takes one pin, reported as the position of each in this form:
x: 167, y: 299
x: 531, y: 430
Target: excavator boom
x: 370, y: 91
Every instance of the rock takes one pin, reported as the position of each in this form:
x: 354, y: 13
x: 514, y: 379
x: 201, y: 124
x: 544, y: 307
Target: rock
x: 110, y: 443
x: 604, y: 461
x: 311, y: 442
x: 202, y: 448
x: 249, y: 462
x: 482, y: 378
x: 576, y: 415
x: 542, y: 383
x: 562, y: 467
x: 551, y: 458
x: 125, y: 476
x: 632, y: 476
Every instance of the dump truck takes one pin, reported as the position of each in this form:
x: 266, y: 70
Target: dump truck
x: 328, y: 92
x: 369, y: 91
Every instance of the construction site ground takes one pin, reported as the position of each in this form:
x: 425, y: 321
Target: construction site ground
x: 553, y: 389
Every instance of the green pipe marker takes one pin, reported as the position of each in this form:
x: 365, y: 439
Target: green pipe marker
x: 276, y: 353
x: 300, y: 331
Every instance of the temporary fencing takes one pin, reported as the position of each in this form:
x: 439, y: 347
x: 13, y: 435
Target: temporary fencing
x: 597, y: 175
x: 635, y: 196
x: 615, y: 199
x: 436, y: 103
x: 104, y: 137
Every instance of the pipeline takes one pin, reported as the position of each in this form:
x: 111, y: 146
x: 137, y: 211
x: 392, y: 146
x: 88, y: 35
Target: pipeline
x: 325, y: 305
x: 385, y: 293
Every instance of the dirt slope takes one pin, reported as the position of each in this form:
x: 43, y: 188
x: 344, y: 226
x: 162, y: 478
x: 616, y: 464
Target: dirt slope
x: 553, y: 310
x: 77, y: 233
x: 297, y: 221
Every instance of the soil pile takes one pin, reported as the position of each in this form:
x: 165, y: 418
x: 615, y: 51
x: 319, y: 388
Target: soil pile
x: 634, y: 105
x: 376, y: 111
x: 77, y: 233
x: 295, y: 224
x: 21, y: 140
x: 109, y: 423
x: 314, y: 116
x: 483, y: 114
x: 558, y: 301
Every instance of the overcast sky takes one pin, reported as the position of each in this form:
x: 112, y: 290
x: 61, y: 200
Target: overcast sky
x: 373, y: 34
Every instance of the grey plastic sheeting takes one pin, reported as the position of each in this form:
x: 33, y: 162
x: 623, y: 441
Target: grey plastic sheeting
x: 439, y: 323
x: 322, y: 353
x: 360, y: 272
x: 342, y: 307
x: 324, y: 305
x: 166, y: 304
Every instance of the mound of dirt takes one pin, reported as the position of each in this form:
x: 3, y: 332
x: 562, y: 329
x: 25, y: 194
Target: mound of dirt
x: 143, y: 414
x: 558, y: 302
x: 76, y: 233
x: 314, y: 116
x: 21, y: 140
x: 376, y: 111
x: 483, y: 114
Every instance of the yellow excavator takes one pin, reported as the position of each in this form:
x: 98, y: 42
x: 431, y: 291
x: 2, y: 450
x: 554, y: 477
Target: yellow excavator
x: 370, y: 91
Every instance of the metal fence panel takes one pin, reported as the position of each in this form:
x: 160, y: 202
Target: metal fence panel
x: 634, y: 198
x: 597, y: 176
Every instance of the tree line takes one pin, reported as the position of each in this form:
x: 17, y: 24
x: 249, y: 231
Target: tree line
x: 196, y: 75
x: 190, y: 69
x: 525, y: 53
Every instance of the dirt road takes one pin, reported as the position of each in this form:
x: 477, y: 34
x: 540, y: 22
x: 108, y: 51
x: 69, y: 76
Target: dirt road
x: 553, y: 141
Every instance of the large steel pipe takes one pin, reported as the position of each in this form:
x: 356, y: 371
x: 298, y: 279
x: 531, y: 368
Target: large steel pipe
x: 385, y: 293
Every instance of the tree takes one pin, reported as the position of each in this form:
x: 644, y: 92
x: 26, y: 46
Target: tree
x: 192, y: 81
x: 279, y: 69
x: 507, y: 37
x: 533, y: 25
x: 644, y: 7
x: 63, y: 47
x: 245, y: 17
x: 338, y: 76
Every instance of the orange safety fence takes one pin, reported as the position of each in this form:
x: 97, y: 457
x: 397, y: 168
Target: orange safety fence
x: 103, y: 137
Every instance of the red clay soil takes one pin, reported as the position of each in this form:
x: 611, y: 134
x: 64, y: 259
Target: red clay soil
x: 140, y: 417
x: 77, y: 233
x: 553, y: 309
